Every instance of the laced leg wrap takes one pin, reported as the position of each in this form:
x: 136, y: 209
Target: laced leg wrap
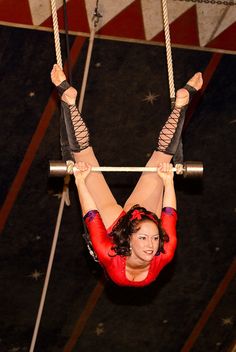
x: 170, y: 135
x: 77, y: 131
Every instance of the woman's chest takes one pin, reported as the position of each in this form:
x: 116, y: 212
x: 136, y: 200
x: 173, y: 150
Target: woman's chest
x: 136, y: 275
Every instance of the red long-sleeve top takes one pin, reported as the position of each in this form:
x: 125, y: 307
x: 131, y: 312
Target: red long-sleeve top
x: 115, y: 265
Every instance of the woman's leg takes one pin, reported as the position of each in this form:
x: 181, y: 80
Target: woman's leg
x: 149, y: 189
x: 78, y: 138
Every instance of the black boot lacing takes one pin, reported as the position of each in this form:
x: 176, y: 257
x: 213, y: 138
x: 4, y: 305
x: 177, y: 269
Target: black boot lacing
x: 80, y: 128
x: 168, y: 130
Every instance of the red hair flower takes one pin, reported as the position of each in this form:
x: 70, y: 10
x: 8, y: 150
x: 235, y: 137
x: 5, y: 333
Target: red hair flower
x: 136, y: 214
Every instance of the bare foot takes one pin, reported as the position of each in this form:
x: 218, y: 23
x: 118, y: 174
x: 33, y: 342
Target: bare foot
x: 58, y: 76
x: 196, y: 81
x: 182, y: 95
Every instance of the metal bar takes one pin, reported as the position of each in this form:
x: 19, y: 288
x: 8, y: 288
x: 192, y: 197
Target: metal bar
x: 188, y: 169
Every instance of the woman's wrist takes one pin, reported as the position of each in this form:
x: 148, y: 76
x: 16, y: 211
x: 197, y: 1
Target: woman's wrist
x: 79, y: 181
x: 168, y: 182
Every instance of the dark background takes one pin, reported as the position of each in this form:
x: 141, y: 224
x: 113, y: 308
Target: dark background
x: 84, y: 311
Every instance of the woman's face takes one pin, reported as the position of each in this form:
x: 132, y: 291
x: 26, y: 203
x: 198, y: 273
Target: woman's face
x: 145, y: 242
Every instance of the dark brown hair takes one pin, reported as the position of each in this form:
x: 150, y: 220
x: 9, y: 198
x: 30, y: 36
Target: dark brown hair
x: 128, y: 224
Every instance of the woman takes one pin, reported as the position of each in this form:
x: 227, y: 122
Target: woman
x: 131, y: 243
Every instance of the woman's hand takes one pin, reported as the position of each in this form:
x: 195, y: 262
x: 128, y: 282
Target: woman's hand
x: 81, y: 171
x: 165, y: 171
x: 57, y: 75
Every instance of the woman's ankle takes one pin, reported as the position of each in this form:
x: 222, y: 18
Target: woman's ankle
x: 69, y: 96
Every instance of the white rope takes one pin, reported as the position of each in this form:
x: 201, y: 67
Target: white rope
x: 95, y: 20
x: 50, y: 262
x: 65, y: 193
x: 64, y: 199
x: 56, y: 33
x: 179, y: 169
x: 86, y: 69
x: 65, y: 196
x: 125, y: 169
x: 168, y: 50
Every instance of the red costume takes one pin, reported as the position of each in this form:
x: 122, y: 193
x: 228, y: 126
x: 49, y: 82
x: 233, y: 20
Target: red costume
x: 115, y: 265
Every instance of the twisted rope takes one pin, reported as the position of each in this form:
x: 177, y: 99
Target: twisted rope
x: 56, y: 33
x: 70, y: 163
x: 168, y: 50
x: 50, y: 262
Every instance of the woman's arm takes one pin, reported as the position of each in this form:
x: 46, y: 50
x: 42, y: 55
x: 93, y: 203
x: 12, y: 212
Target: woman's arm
x: 81, y: 171
x: 101, y: 242
x: 165, y: 171
x: 169, y: 215
x: 169, y: 199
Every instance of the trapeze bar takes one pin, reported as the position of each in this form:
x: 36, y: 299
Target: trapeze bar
x: 124, y: 169
x: 187, y: 169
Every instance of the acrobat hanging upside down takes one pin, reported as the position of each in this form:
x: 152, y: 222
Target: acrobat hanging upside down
x: 133, y: 243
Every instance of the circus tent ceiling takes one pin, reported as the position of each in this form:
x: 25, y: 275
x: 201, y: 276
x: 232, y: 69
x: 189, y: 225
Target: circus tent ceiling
x: 201, y: 24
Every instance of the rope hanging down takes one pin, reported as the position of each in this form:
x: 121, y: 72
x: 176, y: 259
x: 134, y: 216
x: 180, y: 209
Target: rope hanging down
x: 95, y: 20
x: 56, y: 33
x: 168, y: 50
x: 178, y: 157
x: 50, y: 263
x: 65, y: 196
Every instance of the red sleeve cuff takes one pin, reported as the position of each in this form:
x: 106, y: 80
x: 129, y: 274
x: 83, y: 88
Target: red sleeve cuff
x: 170, y: 211
x: 90, y: 215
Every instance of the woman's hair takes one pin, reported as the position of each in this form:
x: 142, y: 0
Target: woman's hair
x: 129, y: 224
